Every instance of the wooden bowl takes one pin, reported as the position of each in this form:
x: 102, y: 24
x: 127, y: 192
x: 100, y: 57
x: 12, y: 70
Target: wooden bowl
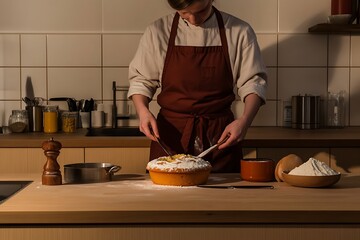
x: 310, y: 181
x: 257, y: 169
x: 287, y: 164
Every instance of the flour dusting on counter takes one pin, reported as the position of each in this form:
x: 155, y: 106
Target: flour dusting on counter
x: 313, y: 167
x: 148, y: 185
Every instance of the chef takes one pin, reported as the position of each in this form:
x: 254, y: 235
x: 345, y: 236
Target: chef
x: 198, y: 56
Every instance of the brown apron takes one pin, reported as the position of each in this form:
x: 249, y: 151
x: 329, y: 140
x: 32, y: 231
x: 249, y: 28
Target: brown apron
x: 196, y: 97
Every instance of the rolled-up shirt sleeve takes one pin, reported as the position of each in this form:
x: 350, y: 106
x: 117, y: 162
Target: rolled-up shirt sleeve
x: 249, y: 69
x: 252, y: 76
x: 144, y: 70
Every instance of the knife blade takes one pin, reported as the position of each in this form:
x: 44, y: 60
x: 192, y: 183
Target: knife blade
x: 236, y: 187
x: 29, y: 89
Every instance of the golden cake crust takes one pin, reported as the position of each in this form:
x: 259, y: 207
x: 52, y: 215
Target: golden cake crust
x: 180, y: 170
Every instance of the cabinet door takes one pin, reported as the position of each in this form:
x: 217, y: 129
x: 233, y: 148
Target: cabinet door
x: 37, y: 159
x: 13, y: 160
x: 321, y: 154
x: 31, y: 160
x: 131, y: 160
x: 345, y: 160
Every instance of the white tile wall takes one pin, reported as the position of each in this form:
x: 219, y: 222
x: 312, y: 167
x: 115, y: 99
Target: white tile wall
x: 131, y: 16
x: 118, y: 50
x: 38, y: 81
x: 78, y: 48
x: 74, y: 50
x: 33, y: 50
x: 50, y: 16
x: 339, y: 50
x: 9, y: 83
x: 262, y: 15
x: 302, y: 50
x: 9, y: 50
x: 355, y: 51
x: 297, y: 16
x: 82, y: 83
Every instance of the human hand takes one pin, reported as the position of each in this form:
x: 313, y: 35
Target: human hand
x: 148, y: 125
x: 235, y: 132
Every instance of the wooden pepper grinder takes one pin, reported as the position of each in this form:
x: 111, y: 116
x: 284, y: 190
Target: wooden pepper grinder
x: 51, y: 174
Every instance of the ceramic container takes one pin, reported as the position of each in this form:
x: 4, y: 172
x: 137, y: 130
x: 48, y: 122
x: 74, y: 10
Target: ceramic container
x: 257, y: 169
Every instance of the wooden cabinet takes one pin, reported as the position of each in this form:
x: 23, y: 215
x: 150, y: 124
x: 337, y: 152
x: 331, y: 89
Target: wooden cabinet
x: 27, y: 161
x: 322, y: 154
x: 345, y: 160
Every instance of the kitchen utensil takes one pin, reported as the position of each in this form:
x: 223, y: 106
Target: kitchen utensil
x: 257, y: 169
x: 27, y: 101
x: 310, y: 181
x: 210, y: 149
x: 236, y: 187
x: 35, y: 114
x: 160, y: 143
x: 29, y: 89
x: 72, y: 104
x: 336, y: 106
x: 61, y: 102
x: 89, y: 172
x: 305, y: 111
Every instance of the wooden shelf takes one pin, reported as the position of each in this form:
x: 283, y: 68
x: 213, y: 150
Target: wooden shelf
x: 335, y: 28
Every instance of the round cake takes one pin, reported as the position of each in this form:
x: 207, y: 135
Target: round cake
x: 179, y: 170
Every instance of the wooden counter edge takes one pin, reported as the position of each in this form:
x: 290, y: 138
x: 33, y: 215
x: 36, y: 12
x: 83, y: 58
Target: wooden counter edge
x: 176, y: 217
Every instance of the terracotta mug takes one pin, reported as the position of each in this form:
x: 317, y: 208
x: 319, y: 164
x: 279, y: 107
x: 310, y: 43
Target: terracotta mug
x: 257, y: 169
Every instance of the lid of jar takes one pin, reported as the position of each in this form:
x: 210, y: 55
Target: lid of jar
x: 51, y: 108
x: 69, y: 113
x: 18, y: 111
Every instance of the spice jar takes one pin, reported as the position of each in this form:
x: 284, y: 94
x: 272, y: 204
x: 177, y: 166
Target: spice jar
x: 69, y: 120
x: 50, y: 119
x: 18, y: 121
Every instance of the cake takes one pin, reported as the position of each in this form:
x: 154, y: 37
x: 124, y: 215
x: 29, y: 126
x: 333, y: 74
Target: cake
x: 179, y: 170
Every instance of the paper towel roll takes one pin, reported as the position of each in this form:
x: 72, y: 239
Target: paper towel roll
x: 100, y: 107
x: 108, y: 114
x: 97, y: 119
x: 85, y: 119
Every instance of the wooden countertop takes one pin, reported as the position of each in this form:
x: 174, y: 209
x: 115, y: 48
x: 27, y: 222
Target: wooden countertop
x: 135, y: 199
x: 256, y: 137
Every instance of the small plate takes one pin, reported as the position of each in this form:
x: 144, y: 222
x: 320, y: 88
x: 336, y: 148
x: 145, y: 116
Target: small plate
x: 310, y: 181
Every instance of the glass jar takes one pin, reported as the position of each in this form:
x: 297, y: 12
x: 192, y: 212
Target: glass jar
x: 69, y: 120
x: 18, y: 121
x: 50, y: 119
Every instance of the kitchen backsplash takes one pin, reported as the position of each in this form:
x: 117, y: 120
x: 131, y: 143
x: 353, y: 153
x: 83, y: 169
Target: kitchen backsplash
x: 77, y: 48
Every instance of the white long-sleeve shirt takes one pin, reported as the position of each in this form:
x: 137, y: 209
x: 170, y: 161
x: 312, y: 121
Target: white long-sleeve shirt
x: 249, y: 71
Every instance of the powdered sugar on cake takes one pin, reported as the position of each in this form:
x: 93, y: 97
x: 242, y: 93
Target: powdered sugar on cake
x: 178, y: 163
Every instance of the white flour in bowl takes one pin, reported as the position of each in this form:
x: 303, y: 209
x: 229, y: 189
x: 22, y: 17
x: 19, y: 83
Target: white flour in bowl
x: 313, y: 167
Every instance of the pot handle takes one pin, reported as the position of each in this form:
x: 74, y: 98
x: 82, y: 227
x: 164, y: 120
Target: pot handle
x: 113, y: 169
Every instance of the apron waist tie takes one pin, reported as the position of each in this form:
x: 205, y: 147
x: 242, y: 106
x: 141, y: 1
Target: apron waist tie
x: 190, y: 123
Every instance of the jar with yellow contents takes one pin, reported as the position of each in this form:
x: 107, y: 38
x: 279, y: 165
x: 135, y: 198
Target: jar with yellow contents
x: 69, y: 121
x: 50, y: 119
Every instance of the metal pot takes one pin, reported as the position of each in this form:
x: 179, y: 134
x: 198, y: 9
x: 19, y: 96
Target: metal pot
x: 305, y: 112
x: 89, y: 172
